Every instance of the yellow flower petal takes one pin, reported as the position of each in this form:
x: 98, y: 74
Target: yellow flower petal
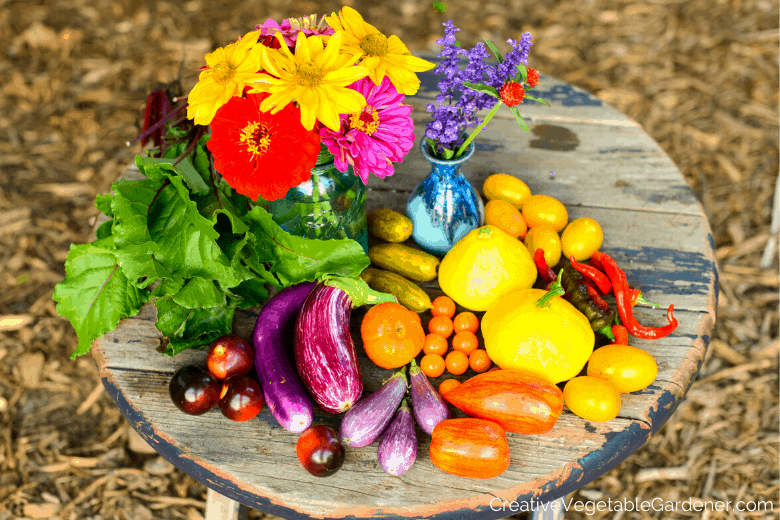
x: 353, y: 22
x: 326, y: 113
x: 217, y: 56
x: 309, y: 104
x: 404, y: 81
x: 344, y: 77
x: 302, y: 51
x: 346, y: 100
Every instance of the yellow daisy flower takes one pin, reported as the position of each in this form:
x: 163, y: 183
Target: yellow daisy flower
x: 316, y: 77
x: 382, y: 56
x: 230, y: 69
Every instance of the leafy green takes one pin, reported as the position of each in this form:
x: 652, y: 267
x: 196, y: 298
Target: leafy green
x: 197, y: 250
x: 495, y: 50
x: 487, y: 89
x: 95, y: 294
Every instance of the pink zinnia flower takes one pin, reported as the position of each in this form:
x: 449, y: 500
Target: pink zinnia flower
x: 372, y: 139
x: 290, y: 28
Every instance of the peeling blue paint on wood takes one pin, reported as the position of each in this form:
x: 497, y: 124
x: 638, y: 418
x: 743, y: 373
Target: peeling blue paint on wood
x: 692, y: 274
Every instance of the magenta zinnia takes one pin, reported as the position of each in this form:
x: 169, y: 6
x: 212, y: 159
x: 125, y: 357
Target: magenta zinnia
x: 372, y: 139
x: 260, y: 154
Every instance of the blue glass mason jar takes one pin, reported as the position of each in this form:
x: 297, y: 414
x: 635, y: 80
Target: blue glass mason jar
x: 331, y: 204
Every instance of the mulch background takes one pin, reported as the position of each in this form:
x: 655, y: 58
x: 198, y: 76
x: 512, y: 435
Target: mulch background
x: 701, y: 76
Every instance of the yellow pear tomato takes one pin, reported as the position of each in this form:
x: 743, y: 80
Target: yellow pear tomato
x: 483, y: 266
x: 553, y: 341
x: 543, y: 209
x: 592, y: 399
x: 581, y: 238
x: 501, y: 186
x: 628, y: 368
x: 544, y: 237
x: 505, y: 216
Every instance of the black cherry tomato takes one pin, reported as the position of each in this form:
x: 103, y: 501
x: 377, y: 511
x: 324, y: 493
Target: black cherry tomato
x: 320, y: 451
x: 193, y: 390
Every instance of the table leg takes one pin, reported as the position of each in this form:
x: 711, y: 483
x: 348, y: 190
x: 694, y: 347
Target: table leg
x: 219, y: 507
x: 549, y: 511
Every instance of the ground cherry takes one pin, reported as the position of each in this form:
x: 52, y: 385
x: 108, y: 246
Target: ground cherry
x: 506, y: 217
x: 435, y: 344
x: 465, y: 321
x: 432, y: 365
x: 456, y: 362
x: 501, y: 186
x: 479, y: 361
x: 544, y: 237
x: 581, y: 238
x: 592, y: 399
x: 443, y: 306
x: 440, y: 325
x: 465, y: 342
x: 447, y: 385
x: 543, y: 209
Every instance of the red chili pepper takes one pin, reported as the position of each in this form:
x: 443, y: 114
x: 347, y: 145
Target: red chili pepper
x: 622, y: 297
x: 596, y: 297
x: 635, y: 293
x: 546, y: 272
x: 621, y: 335
x: 600, y: 279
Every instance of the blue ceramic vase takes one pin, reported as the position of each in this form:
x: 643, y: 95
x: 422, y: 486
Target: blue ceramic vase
x: 444, y: 207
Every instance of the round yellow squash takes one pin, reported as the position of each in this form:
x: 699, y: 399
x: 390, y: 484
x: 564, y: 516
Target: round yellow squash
x: 553, y: 342
x: 484, y: 265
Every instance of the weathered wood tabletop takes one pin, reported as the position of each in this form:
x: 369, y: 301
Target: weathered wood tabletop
x: 605, y: 167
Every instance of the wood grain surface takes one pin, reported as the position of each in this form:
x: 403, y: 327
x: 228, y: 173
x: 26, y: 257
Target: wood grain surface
x: 605, y: 167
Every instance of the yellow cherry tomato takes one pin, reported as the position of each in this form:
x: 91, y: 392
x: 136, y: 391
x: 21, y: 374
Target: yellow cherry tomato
x: 628, y: 368
x: 592, y: 399
x: 501, y: 186
x: 506, y: 217
x: 544, y: 237
x: 581, y: 238
x: 543, y: 209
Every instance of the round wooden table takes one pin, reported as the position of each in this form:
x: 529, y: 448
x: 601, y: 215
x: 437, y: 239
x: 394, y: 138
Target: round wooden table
x: 600, y: 164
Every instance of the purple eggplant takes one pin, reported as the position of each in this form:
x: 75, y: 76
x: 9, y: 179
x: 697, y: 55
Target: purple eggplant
x: 282, y: 388
x: 429, y: 407
x: 397, y: 449
x: 366, y: 421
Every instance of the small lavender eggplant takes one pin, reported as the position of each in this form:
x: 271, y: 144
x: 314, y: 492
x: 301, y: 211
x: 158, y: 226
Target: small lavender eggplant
x: 398, y: 446
x: 429, y: 408
x: 369, y: 417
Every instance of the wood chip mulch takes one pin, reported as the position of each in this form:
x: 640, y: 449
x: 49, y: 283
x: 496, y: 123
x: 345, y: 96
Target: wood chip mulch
x: 701, y: 76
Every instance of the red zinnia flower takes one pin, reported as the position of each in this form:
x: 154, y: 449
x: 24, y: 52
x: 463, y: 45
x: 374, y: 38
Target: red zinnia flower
x: 262, y: 154
x: 533, y: 77
x: 511, y: 93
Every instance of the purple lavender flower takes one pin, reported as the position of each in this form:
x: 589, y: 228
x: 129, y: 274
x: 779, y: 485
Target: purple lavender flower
x: 458, y: 105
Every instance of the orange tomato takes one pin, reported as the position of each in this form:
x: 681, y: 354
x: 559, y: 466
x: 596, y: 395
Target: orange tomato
x: 506, y: 217
x: 440, y: 325
x: 479, y: 361
x: 465, y: 342
x: 447, y: 385
x: 543, y: 209
x: 465, y: 321
x: 581, y: 238
x: 432, y: 365
x: 456, y: 362
x: 391, y: 334
x: 435, y: 344
x: 443, y: 306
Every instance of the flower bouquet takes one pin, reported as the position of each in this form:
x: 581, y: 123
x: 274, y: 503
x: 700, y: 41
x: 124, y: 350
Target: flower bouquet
x: 281, y: 132
x: 445, y: 206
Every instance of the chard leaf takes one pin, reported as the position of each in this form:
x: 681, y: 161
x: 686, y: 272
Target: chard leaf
x: 249, y: 293
x: 104, y: 229
x: 198, y: 292
x: 103, y: 203
x: 191, y: 328
x: 294, y: 259
x: 95, y: 293
x: 185, y: 168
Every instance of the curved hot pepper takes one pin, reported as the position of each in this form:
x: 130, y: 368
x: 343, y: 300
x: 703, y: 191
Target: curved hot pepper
x: 635, y: 294
x: 623, y: 298
x: 546, y: 272
x: 600, y: 279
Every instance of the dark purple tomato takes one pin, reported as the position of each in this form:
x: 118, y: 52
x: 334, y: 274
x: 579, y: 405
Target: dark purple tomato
x: 230, y: 355
x: 193, y: 390
x: 241, y: 398
x: 320, y: 451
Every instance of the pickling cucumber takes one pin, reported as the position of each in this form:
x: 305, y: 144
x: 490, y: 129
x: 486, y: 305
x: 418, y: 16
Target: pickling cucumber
x: 409, y: 294
x: 389, y: 225
x: 409, y: 262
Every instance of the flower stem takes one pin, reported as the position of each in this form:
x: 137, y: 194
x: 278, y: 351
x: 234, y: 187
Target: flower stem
x: 477, y: 130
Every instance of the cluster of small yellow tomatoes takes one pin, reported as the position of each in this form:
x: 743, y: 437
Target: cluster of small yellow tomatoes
x: 541, y: 221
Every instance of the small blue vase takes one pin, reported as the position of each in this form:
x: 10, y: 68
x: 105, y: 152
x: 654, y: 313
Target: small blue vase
x: 444, y: 207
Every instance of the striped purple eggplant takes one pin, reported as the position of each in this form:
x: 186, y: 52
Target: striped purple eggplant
x: 366, y: 421
x: 397, y: 449
x: 429, y: 407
